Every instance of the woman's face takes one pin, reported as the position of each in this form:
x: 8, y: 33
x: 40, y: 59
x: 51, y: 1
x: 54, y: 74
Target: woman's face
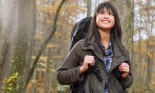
x: 105, y: 19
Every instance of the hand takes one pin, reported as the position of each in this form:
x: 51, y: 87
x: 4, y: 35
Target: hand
x: 124, y: 67
x: 88, y: 61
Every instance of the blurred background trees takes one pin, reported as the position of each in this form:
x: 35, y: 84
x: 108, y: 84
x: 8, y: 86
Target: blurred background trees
x: 25, y: 25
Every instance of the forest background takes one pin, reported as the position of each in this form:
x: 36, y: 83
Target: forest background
x: 35, y: 38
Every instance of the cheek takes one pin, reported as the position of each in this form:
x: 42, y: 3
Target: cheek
x: 113, y: 21
x: 97, y: 21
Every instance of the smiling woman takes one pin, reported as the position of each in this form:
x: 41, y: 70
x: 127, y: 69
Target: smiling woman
x: 105, y: 20
x: 103, y: 50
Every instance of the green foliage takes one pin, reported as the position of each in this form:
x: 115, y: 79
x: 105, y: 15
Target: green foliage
x: 11, y: 83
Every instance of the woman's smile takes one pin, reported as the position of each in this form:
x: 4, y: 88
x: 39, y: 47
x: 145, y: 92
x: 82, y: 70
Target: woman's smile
x: 106, y: 21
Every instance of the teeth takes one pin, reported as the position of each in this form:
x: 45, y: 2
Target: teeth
x: 105, y: 21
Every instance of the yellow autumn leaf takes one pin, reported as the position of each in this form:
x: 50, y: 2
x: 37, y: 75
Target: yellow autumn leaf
x: 52, y: 46
x: 43, y: 58
x: 149, y: 54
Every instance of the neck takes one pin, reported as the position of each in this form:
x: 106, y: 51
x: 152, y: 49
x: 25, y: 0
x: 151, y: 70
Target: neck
x: 105, y: 36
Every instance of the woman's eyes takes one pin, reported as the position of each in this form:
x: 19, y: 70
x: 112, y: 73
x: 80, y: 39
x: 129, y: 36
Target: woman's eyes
x: 111, y: 14
x: 105, y: 13
x: 101, y: 12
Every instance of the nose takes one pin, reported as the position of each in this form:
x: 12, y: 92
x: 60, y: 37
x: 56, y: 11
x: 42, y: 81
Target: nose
x: 106, y: 15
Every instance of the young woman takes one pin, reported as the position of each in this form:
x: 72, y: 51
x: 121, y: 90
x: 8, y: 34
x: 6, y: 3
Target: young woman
x: 103, y: 43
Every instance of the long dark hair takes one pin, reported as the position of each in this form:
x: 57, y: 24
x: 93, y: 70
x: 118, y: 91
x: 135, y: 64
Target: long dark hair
x: 116, y: 31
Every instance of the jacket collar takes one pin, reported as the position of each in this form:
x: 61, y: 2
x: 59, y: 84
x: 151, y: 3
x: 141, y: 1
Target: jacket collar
x: 96, y: 47
x: 93, y: 45
x: 118, y: 57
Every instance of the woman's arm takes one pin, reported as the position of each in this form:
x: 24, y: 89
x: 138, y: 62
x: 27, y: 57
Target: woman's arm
x: 69, y: 71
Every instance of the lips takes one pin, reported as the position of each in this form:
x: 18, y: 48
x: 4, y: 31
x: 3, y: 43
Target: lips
x: 105, y: 21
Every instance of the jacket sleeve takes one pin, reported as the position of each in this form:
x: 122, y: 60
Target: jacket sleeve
x: 126, y: 83
x: 69, y: 70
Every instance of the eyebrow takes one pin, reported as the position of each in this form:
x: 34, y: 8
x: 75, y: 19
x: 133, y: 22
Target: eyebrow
x: 103, y: 10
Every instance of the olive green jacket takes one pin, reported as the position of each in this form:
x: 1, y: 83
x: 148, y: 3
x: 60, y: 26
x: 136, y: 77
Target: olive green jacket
x: 68, y: 72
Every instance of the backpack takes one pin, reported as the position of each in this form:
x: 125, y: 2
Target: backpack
x: 79, y: 32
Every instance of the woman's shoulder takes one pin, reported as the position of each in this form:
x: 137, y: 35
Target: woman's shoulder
x: 80, y: 43
x: 78, y: 47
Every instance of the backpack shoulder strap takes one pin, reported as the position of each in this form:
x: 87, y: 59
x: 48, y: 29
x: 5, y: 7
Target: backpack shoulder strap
x: 95, y: 69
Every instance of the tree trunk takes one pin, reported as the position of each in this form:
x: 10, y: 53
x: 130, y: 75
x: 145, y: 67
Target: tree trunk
x: 34, y: 85
x: 23, y: 44
x: 48, y: 74
x: 140, y: 53
x: 31, y: 7
x: 149, y: 48
x: 88, y: 7
x: 8, y: 27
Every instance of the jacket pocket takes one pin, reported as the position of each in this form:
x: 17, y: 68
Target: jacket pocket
x: 96, y: 86
x: 119, y: 87
x: 115, y: 86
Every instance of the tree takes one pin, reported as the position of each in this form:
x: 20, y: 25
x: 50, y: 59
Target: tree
x: 8, y: 26
x: 43, y: 46
x: 89, y: 7
x: 23, y: 45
